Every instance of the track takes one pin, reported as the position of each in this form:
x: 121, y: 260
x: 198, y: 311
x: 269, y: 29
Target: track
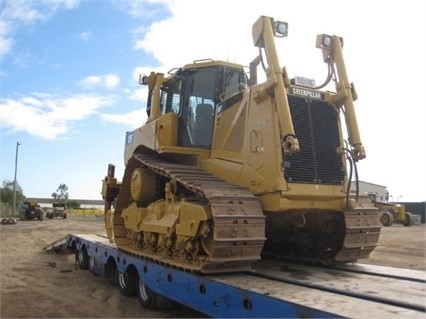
x: 239, y: 224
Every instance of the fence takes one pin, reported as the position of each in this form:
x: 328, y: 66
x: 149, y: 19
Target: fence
x: 6, y: 210
x: 85, y: 213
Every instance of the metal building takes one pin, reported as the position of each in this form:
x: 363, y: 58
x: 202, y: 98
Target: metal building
x: 382, y: 195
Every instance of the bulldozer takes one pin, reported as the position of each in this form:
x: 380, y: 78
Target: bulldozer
x: 31, y: 210
x: 227, y: 171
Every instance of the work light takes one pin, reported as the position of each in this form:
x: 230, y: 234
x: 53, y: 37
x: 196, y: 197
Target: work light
x: 324, y: 41
x: 280, y: 29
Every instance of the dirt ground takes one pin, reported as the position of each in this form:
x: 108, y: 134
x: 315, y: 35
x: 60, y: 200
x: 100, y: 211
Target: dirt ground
x: 39, y: 284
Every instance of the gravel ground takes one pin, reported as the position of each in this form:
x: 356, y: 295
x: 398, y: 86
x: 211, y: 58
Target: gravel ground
x: 38, y: 284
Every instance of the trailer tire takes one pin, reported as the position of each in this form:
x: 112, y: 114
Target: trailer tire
x: 92, y: 265
x: 151, y: 300
x: 408, y: 220
x: 387, y: 218
x: 128, y: 281
x: 147, y: 297
x: 111, y: 271
x: 83, y: 258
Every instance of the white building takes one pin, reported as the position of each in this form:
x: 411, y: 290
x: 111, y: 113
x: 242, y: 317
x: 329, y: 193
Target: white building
x: 84, y: 203
x: 382, y: 195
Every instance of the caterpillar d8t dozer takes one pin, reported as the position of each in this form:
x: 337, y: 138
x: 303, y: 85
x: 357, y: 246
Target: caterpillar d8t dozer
x: 227, y: 171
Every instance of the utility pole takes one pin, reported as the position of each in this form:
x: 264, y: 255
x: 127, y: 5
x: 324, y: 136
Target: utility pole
x: 14, y: 181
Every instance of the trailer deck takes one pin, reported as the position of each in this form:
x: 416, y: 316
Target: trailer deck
x: 271, y: 289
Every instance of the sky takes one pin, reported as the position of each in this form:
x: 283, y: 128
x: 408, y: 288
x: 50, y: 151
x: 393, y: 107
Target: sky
x: 69, y: 78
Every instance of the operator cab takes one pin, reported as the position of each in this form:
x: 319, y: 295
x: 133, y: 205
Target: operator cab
x: 194, y: 92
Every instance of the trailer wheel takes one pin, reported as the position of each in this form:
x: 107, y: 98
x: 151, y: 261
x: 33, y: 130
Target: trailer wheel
x: 92, y: 264
x: 151, y: 300
x: 111, y: 271
x: 408, y: 220
x: 387, y: 218
x: 147, y: 297
x: 128, y: 281
x: 83, y: 258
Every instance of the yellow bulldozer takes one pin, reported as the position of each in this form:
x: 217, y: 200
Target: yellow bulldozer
x: 227, y: 170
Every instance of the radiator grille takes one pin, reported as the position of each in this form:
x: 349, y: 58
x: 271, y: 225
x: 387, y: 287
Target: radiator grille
x: 316, y: 126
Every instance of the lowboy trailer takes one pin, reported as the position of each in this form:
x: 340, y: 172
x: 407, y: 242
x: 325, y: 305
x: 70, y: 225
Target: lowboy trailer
x: 270, y: 290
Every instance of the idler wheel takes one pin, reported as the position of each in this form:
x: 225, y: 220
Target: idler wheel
x: 142, y: 186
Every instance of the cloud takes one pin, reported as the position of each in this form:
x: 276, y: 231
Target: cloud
x: 200, y: 36
x: 6, y: 42
x: 18, y: 14
x: 48, y: 116
x: 108, y: 81
x: 31, y: 11
x: 85, y: 35
x: 23, y: 59
x: 143, y: 8
x: 5, y: 45
x: 138, y: 94
x: 132, y: 119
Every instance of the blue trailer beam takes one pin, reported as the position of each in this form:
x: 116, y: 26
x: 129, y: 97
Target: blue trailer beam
x: 248, y: 295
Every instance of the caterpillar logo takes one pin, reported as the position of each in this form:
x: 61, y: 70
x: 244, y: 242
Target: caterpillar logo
x: 307, y: 93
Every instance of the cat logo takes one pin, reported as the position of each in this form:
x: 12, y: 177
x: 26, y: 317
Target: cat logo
x: 307, y: 93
